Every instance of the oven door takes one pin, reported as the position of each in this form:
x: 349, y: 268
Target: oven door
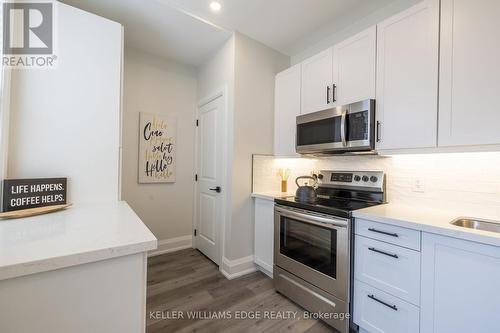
x: 313, y: 247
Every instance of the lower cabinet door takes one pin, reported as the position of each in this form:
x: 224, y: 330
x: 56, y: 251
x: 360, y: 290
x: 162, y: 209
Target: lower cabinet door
x: 378, y: 312
x: 264, y: 234
x: 460, y: 286
x: 387, y: 267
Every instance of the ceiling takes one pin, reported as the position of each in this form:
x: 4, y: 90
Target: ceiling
x: 189, y: 32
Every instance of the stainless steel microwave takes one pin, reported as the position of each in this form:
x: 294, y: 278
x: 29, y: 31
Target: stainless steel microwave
x: 343, y: 129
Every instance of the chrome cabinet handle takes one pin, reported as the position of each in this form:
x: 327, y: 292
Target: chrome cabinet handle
x: 327, y: 94
x: 395, y: 308
x: 334, y: 87
x: 383, y: 232
x: 384, y: 253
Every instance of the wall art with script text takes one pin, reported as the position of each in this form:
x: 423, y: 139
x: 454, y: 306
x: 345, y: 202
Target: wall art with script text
x: 157, y: 146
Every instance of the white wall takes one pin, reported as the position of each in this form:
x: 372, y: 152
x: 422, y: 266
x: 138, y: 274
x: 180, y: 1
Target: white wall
x: 4, y: 126
x: 156, y: 85
x: 468, y: 181
x: 330, y: 35
x: 255, y: 68
x: 65, y: 122
x: 247, y: 68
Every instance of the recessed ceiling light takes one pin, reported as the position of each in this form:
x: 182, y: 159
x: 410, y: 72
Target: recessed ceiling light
x: 215, y: 6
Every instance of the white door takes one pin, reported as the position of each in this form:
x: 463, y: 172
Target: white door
x: 210, y: 173
x: 317, y: 82
x: 469, y: 72
x: 286, y: 109
x: 407, y: 78
x: 354, y: 67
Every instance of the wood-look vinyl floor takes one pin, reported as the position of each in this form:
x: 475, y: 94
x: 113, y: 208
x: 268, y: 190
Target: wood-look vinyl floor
x: 186, y: 282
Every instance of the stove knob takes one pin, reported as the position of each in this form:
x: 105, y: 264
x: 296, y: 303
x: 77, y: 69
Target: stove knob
x: 373, y: 179
x: 357, y: 178
x: 365, y: 178
x: 320, y: 176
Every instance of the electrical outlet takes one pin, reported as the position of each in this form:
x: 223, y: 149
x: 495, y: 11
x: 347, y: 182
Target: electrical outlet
x: 418, y: 185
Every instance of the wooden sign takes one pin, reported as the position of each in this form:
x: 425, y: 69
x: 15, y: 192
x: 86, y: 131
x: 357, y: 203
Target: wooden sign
x: 157, y: 145
x: 31, y: 193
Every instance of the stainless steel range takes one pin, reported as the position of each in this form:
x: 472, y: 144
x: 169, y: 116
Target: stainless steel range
x: 313, y: 243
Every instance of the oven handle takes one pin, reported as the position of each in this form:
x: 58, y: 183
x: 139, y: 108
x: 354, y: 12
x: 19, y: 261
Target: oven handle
x: 343, y: 127
x: 313, y: 219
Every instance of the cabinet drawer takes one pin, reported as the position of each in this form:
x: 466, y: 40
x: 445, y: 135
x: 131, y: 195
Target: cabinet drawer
x: 390, y: 268
x: 378, y: 312
x: 388, y: 233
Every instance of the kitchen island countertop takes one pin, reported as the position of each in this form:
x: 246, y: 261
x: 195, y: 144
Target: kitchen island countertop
x: 81, y: 234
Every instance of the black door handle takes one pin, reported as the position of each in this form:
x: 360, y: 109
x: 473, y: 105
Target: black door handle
x: 217, y: 189
x: 383, y: 232
x: 384, y: 253
x: 395, y: 308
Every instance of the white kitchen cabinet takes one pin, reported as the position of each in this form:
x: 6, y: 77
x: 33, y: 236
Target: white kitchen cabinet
x: 354, y: 68
x: 264, y: 235
x: 460, y: 286
x: 389, y: 233
x: 317, y: 82
x: 469, y: 73
x: 376, y: 311
x: 407, y: 78
x: 388, y: 267
x: 286, y: 109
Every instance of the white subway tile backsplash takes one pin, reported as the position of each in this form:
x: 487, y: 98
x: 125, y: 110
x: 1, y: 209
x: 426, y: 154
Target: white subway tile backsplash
x: 467, y: 179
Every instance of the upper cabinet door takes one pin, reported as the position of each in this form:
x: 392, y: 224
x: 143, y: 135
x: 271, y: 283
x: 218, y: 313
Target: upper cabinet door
x: 354, y: 68
x: 317, y: 82
x: 286, y: 109
x: 407, y: 78
x: 470, y: 76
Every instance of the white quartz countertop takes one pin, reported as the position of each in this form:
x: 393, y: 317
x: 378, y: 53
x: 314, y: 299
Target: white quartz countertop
x: 81, y: 234
x: 431, y: 220
x: 272, y: 195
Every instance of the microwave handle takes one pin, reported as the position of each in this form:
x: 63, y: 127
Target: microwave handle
x: 343, y: 128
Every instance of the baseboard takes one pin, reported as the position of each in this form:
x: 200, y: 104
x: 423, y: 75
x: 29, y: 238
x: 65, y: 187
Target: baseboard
x: 172, y: 245
x: 232, y: 269
x: 264, y: 268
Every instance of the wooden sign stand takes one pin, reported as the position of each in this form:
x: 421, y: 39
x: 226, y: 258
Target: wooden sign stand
x: 15, y: 214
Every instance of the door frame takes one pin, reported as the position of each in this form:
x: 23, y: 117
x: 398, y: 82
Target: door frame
x: 222, y: 92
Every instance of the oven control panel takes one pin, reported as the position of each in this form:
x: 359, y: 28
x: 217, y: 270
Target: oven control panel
x: 368, y: 180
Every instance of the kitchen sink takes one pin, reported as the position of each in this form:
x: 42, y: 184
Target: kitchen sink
x: 471, y: 223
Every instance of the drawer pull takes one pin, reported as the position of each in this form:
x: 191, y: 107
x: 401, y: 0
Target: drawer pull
x: 384, y: 253
x: 383, y: 232
x: 395, y: 308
